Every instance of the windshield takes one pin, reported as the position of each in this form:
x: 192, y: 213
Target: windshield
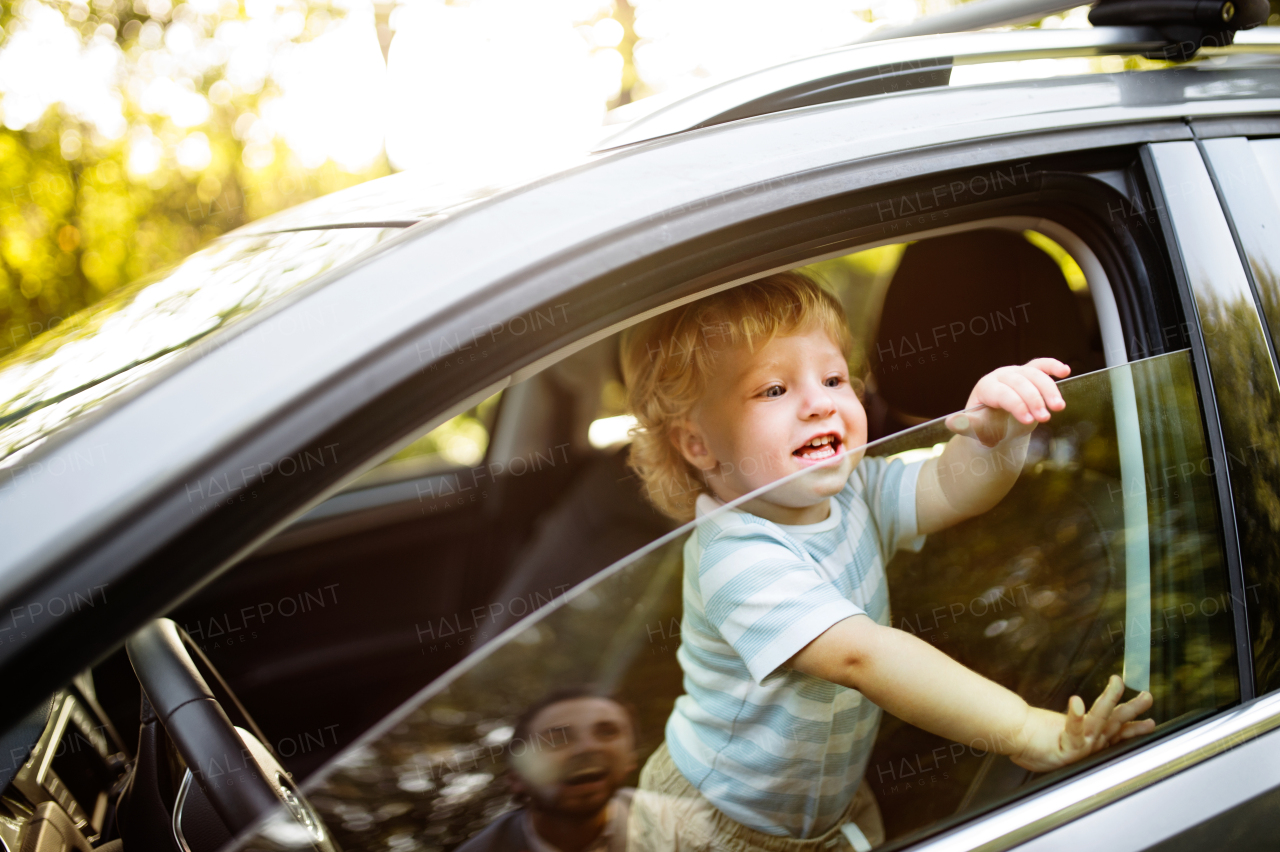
x: 116, y: 343
x: 1102, y: 559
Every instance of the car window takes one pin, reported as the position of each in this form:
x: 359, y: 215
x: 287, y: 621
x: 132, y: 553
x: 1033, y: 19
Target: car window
x: 93, y: 355
x: 1104, y: 558
x: 1238, y: 302
x: 459, y: 442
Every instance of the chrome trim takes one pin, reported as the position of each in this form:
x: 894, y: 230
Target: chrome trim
x: 178, y: 803
x: 1072, y: 799
x: 961, y: 48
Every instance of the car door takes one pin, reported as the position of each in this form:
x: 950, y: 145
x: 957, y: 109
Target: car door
x: 1129, y: 490
x: 370, y: 651
x: 381, y: 366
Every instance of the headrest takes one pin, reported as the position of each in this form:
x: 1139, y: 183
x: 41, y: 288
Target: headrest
x: 962, y: 305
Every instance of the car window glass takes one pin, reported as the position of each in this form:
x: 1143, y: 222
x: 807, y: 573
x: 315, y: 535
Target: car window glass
x: 1261, y: 216
x: 1228, y: 270
x: 1267, y: 152
x: 90, y: 356
x: 1105, y: 558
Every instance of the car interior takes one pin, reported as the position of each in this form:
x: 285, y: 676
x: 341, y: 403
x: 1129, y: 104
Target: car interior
x: 502, y: 513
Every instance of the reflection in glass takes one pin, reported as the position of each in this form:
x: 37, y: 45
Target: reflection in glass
x: 1241, y: 363
x: 119, y: 341
x: 1248, y: 174
x: 1033, y: 594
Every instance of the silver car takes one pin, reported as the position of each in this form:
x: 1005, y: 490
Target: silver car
x: 340, y: 496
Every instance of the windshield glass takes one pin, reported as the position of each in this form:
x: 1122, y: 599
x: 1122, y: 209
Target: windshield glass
x: 114, y: 344
x: 682, y: 674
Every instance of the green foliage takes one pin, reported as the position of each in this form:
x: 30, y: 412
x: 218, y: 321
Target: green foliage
x: 76, y: 223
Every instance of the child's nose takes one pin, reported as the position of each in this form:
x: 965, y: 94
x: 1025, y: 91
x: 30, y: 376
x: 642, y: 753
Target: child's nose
x: 819, y: 402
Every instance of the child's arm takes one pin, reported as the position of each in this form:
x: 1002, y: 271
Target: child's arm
x: 923, y: 686
x: 983, y: 460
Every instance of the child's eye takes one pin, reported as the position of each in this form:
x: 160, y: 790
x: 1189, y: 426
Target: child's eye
x: 773, y: 391
x: 833, y: 381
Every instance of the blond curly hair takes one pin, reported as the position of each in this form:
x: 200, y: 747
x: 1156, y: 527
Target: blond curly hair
x: 667, y: 360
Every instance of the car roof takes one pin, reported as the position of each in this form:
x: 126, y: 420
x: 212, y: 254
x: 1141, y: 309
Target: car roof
x: 880, y: 68
x: 405, y: 199
x: 410, y: 197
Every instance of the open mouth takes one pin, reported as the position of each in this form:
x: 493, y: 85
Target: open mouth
x: 819, y: 448
x: 586, y: 776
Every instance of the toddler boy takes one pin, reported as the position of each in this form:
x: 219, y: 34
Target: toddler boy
x: 786, y: 648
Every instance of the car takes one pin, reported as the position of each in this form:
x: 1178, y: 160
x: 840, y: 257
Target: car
x: 295, y: 531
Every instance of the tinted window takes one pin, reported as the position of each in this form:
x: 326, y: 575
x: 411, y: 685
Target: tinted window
x: 1104, y: 559
x: 1235, y: 300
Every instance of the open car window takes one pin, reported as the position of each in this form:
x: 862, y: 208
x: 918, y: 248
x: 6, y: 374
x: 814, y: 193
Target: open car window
x: 460, y: 442
x: 1104, y: 559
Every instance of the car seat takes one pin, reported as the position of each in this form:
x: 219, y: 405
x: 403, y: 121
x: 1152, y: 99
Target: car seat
x: 959, y: 306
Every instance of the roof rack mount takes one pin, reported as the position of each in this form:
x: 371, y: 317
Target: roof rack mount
x: 1184, y: 26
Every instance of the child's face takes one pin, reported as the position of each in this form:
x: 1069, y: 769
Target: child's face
x: 788, y: 406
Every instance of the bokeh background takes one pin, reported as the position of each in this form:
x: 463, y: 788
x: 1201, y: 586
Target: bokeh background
x: 134, y: 131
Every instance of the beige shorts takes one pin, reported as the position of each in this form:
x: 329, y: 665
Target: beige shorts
x: 668, y: 814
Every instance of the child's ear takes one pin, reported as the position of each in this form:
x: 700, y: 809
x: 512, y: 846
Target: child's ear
x: 688, y: 439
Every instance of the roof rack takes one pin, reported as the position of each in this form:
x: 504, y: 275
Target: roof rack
x: 1186, y: 25
x: 885, y: 67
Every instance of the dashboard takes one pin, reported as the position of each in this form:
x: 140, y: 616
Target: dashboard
x: 69, y: 775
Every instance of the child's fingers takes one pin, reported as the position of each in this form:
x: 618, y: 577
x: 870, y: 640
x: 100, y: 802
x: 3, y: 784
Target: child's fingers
x: 1134, y: 729
x: 1048, y: 390
x: 1052, y: 366
x: 1073, y: 731
x: 1105, y: 704
x: 998, y: 394
x: 1127, y: 712
x: 1030, y: 395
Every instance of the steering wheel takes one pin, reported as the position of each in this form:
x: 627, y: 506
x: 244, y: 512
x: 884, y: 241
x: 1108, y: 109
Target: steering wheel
x: 238, y: 775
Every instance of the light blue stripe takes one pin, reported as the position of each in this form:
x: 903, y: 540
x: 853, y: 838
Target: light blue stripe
x: 753, y: 579
x: 775, y: 717
x: 773, y: 623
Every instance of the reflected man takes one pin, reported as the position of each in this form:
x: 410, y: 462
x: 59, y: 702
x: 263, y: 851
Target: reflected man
x: 569, y: 755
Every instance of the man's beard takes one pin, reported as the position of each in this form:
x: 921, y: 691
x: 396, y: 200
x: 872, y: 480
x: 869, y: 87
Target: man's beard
x: 549, y: 804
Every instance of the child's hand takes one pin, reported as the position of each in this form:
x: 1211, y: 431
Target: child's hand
x: 1052, y: 739
x: 1016, y: 398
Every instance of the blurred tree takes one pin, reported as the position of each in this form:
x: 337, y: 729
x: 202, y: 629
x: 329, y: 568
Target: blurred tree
x: 133, y: 132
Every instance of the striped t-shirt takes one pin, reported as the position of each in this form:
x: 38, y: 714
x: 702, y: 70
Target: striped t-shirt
x: 772, y: 748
